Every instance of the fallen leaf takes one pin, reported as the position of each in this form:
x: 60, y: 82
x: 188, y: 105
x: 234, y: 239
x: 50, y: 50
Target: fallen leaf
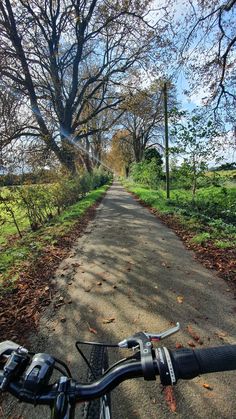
x: 61, y: 299
x: 207, y: 386
x: 99, y: 283
x: 87, y: 289
x: 63, y: 319
x: 178, y: 345
x: 170, y: 398
x: 180, y: 299
x: 109, y: 320
x: 58, y: 305
x: 191, y: 343
x: 46, y: 289
x: 92, y: 330
x: 221, y: 335
x: 193, y: 334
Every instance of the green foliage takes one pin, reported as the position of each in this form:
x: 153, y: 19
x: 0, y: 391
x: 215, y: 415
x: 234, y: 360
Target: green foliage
x: 35, y: 205
x: 40, y: 176
x: 147, y: 172
x: 201, y: 238
x: 153, y: 153
x: 195, y: 142
x: 32, y: 243
x: 227, y: 166
x: 37, y: 202
x: 210, y: 216
x: 224, y: 244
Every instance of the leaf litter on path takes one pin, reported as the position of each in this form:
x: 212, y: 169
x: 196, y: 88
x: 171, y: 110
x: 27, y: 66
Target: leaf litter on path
x: 170, y: 398
x: 108, y: 320
x: 34, y: 288
x: 180, y: 299
x: 91, y: 329
x: 207, y: 386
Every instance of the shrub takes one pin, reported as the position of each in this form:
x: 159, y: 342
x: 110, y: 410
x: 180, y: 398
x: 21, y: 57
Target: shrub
x: 37, y: 201
x: 147, y: 173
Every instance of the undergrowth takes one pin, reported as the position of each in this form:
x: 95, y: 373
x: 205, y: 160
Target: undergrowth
x: 32, y: 244
x: 210, y: 217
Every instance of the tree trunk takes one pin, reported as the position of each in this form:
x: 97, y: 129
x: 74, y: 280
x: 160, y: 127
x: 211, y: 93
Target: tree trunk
x: 127, y: 171
x: 67, y: 156
x: 194, y: 186
x: 86, y: 156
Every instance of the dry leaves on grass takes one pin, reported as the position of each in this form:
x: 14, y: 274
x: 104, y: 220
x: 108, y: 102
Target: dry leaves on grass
x: 170, y: 398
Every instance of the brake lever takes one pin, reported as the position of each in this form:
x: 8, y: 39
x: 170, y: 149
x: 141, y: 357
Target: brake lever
x: 159, y: 336
x: 131, y: 341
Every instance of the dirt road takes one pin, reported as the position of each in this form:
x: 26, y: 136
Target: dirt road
x: 131, y: 267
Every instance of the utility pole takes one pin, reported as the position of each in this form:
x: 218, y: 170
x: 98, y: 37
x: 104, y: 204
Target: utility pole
x: 166, y: 142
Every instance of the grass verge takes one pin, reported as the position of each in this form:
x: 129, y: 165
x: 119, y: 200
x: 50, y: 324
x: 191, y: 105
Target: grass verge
x: 31, y: 246
x: 209, y: 237
x: 26, y: 285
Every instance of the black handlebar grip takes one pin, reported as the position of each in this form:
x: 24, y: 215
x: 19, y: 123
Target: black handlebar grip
x: 188, y: 363
x: 222, y: 358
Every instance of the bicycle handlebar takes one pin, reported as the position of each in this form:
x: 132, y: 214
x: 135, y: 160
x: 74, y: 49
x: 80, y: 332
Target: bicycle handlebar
x: 189, y: 363
x: 170, y: 365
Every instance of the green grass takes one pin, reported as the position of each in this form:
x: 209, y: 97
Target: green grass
x: 29, y: 247
x: 210, y: 216
x: 6, y: 224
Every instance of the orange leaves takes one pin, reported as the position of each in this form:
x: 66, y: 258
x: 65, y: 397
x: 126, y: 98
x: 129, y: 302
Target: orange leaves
x: 170, y: 398
x: 92, y: 330
x: 106, y: 320
x: 192, y: 333
x: 178, y: 345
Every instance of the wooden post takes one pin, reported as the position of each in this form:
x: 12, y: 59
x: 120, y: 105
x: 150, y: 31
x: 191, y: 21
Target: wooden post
x: 166, y: 142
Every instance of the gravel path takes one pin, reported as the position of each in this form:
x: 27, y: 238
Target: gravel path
x: 131, y: 267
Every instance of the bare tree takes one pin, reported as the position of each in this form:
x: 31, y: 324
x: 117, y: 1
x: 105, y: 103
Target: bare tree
x: 143, y: 118
x: 59, y: 56
x: 208, y: 52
